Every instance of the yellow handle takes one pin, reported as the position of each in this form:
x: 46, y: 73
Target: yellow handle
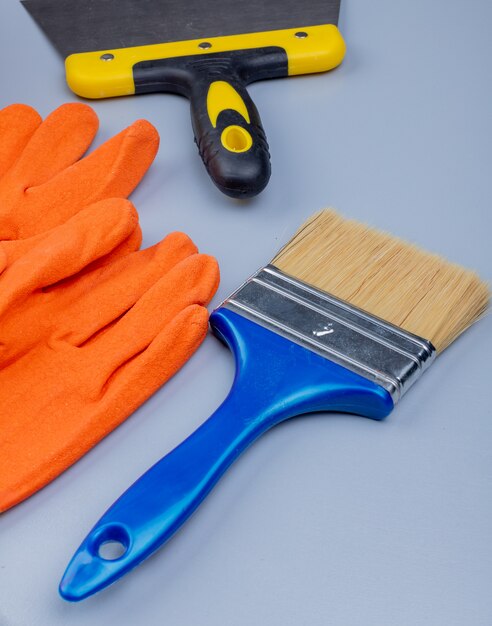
x: 109, y: 73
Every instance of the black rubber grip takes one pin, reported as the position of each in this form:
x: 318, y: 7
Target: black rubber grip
x: 229, y: 135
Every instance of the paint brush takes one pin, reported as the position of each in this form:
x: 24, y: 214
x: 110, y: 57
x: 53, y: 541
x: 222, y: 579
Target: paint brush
x: 345, y: 318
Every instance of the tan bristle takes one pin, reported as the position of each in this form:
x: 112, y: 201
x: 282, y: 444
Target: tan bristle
x: 387, y: 277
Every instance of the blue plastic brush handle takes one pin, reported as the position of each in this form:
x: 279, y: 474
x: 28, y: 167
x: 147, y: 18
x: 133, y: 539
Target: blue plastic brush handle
x: 275, y: 379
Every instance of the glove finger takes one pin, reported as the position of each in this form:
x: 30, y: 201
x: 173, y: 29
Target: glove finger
x: 127, y: 246
x: 12, y: 250
x: 18, y: 122
x: 112, y: 170
x: 60, y: 140
x: 116, y: 167
x: 100, y: 297
x: 144, y: 372
x: 192, y: 282
x: 67, y: 249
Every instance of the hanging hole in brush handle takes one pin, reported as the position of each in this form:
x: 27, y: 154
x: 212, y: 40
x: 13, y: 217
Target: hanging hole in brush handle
x: 229, y: 135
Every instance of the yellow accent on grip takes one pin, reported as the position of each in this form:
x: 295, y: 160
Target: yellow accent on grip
x: 97, y: 75
x: 236, y: 139
x: 222, y: 96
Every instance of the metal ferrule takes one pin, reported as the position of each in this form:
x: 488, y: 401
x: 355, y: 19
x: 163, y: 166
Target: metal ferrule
x: 334, y: 329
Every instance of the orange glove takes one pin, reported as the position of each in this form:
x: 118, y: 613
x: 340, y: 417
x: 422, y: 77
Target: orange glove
x: 42, y: 181
x: 85, y: 342
x: 89, y: 328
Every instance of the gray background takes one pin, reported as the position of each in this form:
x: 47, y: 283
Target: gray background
x: 328, y: 519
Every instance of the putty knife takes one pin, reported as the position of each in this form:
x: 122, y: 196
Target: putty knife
x: 207, y: 51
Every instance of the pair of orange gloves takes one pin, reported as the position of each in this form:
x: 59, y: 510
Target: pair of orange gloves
x: 90, y: 326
